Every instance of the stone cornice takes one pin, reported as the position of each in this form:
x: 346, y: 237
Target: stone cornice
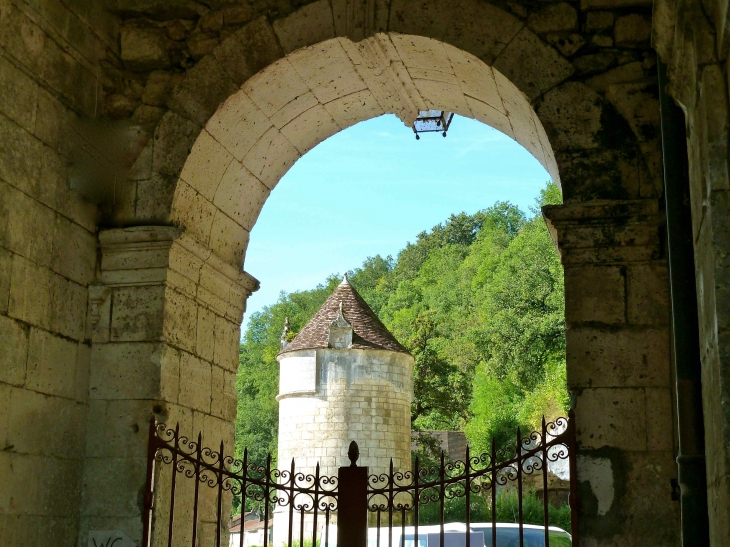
x: 154, y: 255
x: 603, y: 231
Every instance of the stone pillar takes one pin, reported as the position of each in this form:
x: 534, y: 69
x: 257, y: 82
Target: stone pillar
x: 165, y: 319
x: 619, y: 368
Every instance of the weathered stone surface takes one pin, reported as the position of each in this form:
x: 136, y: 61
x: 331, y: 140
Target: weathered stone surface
x: 599, y: 20
x: 630, y: 72
x: 612, y: 418
x: 308, y: 25
x: 14, y: 337
x: 593, y: 63
x: 144, y: 48
x: 639, y: 105
x: 632, y: 30
x: 533, y: 66
x: 137, y: 314
x: 174, y: 137
x: 249, y: 50
x: 50, y: 359
x: 201, y: 44
x: 567, y: 44
x: 194, y: 98
x: 571, y: 114
x: 476, y: 27
x: 553, y: 17
x: 586, y: 303
x: 625, y: 357
x: 206, y: 165
x: 235, y: 15
x: 241, y: 195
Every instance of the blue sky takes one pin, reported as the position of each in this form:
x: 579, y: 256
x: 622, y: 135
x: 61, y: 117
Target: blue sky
x: 371, y: 189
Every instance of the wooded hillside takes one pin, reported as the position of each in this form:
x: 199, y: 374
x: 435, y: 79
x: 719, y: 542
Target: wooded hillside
x: 479, y: 302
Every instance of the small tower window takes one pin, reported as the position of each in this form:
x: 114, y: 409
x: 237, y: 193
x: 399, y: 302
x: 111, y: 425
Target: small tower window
x: 340, y: 332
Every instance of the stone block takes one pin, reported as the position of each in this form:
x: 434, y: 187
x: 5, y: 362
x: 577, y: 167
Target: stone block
x: 327, y: 70
x: 195, y: 98
x: 248, y: 50
x: 659, y: 420
x: 83, y: 365
x: 30, y: 292
x: 310, y: 128
x: 571, y: 114
x: 354, y: 108
x: 630, y: 72
x: 33, y: 414
x: 310, y: 24
x: 227, y: 339
x: 271, y: 157
x: 609, y: 357
x: 446, y: 96
x: 20, y: 490
x: 144, y: 48
x: 566, y: 43
x: 14, y: 341
x: 206, y: 165
x: 713, y: 128
x: 74, y: 251
x: 137, y: 313
x: 479, y: 28
x: 533, y: 66
x: 275, y: 87
x: 490, y: 116
x: 238, y: 124
x: 158, y: 87
x: 173, y: 140
x: 118, y: 429
x: 123, y: 476
x: 228, y: 239
x: 553, y: 17
x: 18, y: 96
x: 614, y: 418
x: 27, y: 224
x: 193, y: 211
x: 5, y: 271
x: 639, y: 105
x: 126, y: 370
x: 205, y: 345
x: 154, y: 198
x: 648, y: 294
x: 595, y: 294
x: 632, y: 30
x: 599, y: 20
x: 475, y: 78
x: 180, y: 320
x: 51, y: 364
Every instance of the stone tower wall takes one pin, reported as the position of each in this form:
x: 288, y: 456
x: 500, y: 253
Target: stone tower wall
x: 331, y: 397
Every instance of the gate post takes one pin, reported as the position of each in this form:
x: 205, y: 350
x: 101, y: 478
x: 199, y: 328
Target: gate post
x: 352, y: 502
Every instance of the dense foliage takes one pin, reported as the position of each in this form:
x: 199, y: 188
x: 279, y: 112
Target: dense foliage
x: 479, y: 302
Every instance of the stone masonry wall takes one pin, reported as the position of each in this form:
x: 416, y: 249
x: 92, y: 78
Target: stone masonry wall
x: 49, y: 54
x: 692, y: 38
x: 360, y: 395
x: 619, y: 374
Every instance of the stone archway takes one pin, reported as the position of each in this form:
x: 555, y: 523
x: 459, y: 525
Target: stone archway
x: 178, y: 292
x: 288, y: 108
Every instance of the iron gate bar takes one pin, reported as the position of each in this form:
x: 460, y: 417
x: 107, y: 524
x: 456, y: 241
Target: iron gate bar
x: 405, y: 492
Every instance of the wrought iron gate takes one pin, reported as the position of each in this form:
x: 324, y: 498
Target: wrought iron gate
x: 309, y: 505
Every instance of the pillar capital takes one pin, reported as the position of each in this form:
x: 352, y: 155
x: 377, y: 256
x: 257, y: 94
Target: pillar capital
x: 606, y: 232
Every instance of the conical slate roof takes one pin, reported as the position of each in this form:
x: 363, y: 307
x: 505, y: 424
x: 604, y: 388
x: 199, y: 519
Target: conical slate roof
x: 368, y: 331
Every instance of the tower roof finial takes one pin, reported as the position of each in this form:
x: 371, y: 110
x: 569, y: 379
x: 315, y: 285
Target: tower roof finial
x: 345, y: 281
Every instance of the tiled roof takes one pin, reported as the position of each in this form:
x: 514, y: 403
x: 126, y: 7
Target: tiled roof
x: 368, y: 331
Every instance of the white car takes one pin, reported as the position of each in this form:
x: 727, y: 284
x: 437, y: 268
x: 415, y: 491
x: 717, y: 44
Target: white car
x: 508, y: 535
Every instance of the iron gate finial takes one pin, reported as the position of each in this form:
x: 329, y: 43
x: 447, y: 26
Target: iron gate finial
x: 353, y: 453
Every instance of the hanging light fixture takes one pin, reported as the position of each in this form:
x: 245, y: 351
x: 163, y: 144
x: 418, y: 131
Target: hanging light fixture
x: 432, y: 121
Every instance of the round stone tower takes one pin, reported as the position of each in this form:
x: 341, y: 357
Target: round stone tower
x: 344, y: 377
